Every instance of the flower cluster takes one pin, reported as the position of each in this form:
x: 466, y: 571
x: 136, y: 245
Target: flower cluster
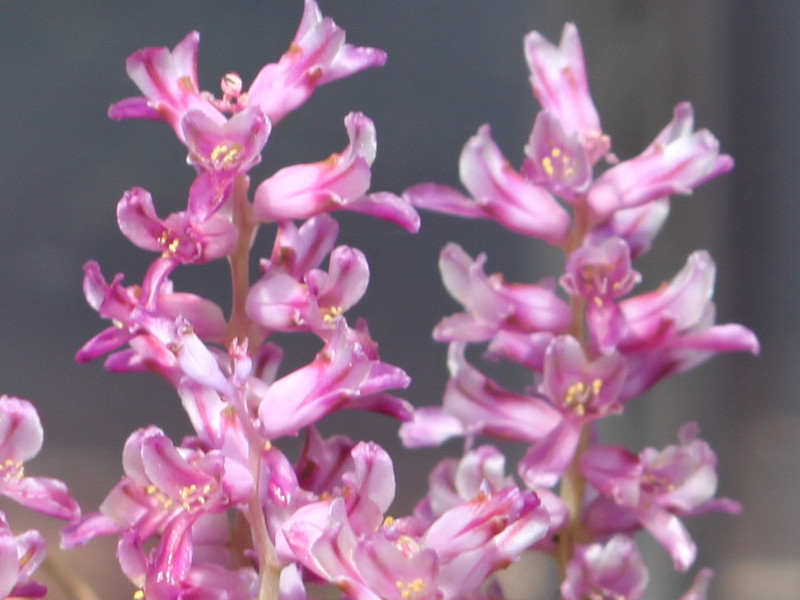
x: 225, y: 514
x: 593, y: 349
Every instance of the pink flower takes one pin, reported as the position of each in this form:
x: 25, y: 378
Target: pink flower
x: 147, y: 318
x: 492, y: 304
x: 338, y: 183
x: 638, y: 226
x: 347, y: 373
x: 293, y: 294
x: 497, y: 192
x: 659, y: 487
x: 166, y: 492
x: 317, y: 55
x: 601, y: 274
x: 168, y: 80
x: 613, y: 570
x: 20, y: 440
x: 559, y: 81
x: 20, y: 556
x: 556, y: 160
x: 677, y: 161
x: 671, y: 329
x: 474, y: 405
x: 225, y: 149
x: 395, y: 558
x: 582, y: 391
x: 180, y: 237
x: 480, y: 471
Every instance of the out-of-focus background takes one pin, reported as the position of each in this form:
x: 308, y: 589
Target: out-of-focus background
x: 454, y: 65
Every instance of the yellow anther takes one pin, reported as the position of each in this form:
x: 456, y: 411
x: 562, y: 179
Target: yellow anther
x: 226, y: 154
x: 555, y: 152
x: 331, y: 313
x: 411, y: 589
x: 186, y: 83
x: 547, y: 163
x: 170, y: 243
x: 579, y: 395
x: 138, y: 595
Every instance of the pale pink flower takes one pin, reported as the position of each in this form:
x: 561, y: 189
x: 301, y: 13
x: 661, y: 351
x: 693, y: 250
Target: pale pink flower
x: 21, y: 438
x: 474, y: 405
x: 556, y: 160
x: 582, y: 390
x: 638, y: 226
x: 672, y: 329
x: 492, y: 304
x: 340, y: 182
x: 601, y: 273
x: 317, y: 55
x: 559, y: 81
x: 658, y: 487
x: 498, y: 192
x: 168, y: 80
x: 346, y: 373
x: 180, y: 237
x: 148, y: 319
x: 395, y: 558
x: 293, y: 294
x: 20, y: 556
x: 225, y: 149
x: 611, y: 570
x: 677, y: 161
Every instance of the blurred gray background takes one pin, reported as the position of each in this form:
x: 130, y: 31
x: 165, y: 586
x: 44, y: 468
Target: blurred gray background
x: 453, y: 65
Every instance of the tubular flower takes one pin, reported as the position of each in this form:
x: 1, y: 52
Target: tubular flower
x: 294, y: 294
x: 473, y: 405
x: 677, y: 161
x: 611, y: 570
x: 492, y: 304
x: 347, y: 373
x: 338, y: 183
x: 658, y: 487
x: 671, y: 329
x: 168, y: 79
x: 20, y: 556
x: 559, y: 82
x: 582, y: 391
x: 21, y: 438
x: 497, y: 192
x: 180, y: 237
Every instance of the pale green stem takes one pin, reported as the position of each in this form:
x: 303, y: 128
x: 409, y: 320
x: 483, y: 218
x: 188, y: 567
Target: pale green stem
x: 73, y: 584
x: 241, y: 327
x: 573, y: 484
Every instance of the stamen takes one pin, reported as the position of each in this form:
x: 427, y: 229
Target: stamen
x: 226, y: 154
x: 410, y: 590
x: 331, y: 313
x: 579, y: 395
